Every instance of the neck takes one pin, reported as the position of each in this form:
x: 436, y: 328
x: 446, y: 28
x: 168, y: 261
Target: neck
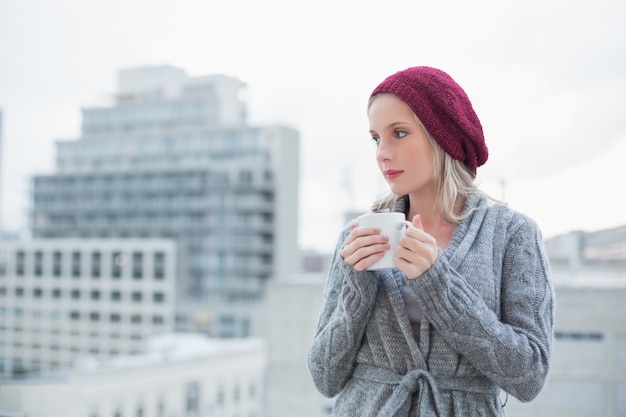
x: 432, y: 217
x: 428, y: 209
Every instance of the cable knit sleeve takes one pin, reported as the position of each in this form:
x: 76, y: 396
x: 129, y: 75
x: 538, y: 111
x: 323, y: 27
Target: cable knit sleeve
x: 513, y: 350
x: 349, y: 298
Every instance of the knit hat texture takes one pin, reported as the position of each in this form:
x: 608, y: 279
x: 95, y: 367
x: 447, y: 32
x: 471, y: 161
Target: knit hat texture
x: 444, y: 109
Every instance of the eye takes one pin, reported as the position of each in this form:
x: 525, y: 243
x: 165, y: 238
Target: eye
x: 400, y: 134
x: 375, y: 139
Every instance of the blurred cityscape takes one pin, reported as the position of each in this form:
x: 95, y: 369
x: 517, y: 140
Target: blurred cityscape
x: 164, y: 278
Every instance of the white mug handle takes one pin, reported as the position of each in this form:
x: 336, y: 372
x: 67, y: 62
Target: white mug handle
x: 406, y: 224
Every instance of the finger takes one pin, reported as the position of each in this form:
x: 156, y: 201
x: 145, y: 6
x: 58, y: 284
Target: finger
x: 364, y: 246
x: 415, y: 253
x: 417, y: 222
x: 416, y: 258
x: 415, y: 234
x: 366, y: 256
x: 364, y: 263
x: 357, y: 232
x: 363, y: 236
x: 364, y: 231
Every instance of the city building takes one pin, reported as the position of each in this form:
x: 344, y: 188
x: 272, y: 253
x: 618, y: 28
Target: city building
x: 293, y: 306
x: 175, y: 158
x: 62, y: 300
x: 313, y: 261
x: 179, y: 375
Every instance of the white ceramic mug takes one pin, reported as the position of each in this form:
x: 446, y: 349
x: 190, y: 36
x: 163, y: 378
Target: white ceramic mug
x: 392, y: 225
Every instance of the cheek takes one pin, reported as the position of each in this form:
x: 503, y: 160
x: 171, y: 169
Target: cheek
x: 377, y: 156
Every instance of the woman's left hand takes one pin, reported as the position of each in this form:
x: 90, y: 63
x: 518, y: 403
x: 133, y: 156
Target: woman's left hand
x: 417, y: 251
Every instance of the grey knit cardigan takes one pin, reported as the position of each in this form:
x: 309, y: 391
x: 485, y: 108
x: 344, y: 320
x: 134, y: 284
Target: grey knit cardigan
x: 488, y: 313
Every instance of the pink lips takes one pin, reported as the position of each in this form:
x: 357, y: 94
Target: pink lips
x: 392, y: 174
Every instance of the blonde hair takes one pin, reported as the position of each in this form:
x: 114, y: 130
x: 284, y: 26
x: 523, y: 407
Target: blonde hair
x: 453, y: 180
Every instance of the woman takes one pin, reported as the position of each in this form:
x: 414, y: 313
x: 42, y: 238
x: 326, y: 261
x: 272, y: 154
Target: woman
x: 468, y: 310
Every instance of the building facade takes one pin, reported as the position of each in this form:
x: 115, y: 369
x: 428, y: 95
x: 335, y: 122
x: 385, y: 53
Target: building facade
x: 180, y: 375
x: 175, y: 158
x: 292, y: 311
x: 62, y: 300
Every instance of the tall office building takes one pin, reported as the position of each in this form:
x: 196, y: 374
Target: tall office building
x: 174, y: 157
x: 62, y: 300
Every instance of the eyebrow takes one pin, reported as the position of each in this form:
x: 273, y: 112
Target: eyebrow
x: 393, y: 125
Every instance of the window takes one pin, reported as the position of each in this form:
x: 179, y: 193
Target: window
x: 37, y: 292
x: 115, y: 318
x: 159, y: 265
x: 245, y: 177
x: 19, y: 292
x: 95, y: 264
x: 56, y: 293
x: 76, y: 264
x: 579, y: 336
x: 74, y: 315
x: 158, y: 297
x: 160, y: 408
x: 56, y: 264
x: 137, y: 265
x: 136, y: 296
x: 95, y: 295
x: 117, y: 261
x: 19, y: 263
x: 38, y: 264
x: 135, y: 318
x: 116, y: 296
x: 76, y: 294
x: 94, y: 316
x: 3, y: 264
x: 192, y: 398
x: 236, y: 394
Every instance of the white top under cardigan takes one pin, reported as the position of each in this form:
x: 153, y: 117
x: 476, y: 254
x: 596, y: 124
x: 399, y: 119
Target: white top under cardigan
x: 487, y: 321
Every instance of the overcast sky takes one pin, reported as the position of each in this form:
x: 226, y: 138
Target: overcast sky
x: 547, y: 79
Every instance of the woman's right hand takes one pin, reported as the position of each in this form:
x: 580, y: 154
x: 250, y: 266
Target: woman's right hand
x: 363, y: 247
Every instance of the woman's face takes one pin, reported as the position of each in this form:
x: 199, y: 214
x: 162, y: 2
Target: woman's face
x: 403, y: 153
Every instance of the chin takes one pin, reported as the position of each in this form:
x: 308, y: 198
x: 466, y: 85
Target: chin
x: 399, y: 191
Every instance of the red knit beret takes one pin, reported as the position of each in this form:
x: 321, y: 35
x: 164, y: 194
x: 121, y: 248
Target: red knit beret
x: 444, y: 109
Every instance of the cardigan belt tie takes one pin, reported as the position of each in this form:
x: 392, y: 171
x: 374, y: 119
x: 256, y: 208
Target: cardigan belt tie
x: 422, y: 382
